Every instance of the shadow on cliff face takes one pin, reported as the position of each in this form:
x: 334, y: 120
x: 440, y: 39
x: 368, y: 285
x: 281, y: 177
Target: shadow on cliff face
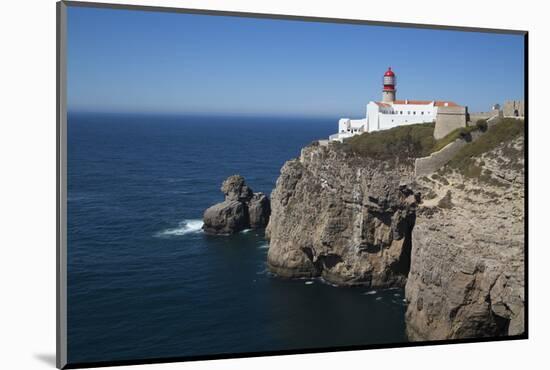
x: 328, y: 261
x: 322, y: 262
x: 502, y: 325
x: 386, y: 240
x: 403, y: 264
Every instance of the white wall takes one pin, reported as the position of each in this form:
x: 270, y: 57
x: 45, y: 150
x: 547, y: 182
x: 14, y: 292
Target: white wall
x: 27, y: 155
x: 343, y: 125
x: 351, y: 125
x: 382, y: 118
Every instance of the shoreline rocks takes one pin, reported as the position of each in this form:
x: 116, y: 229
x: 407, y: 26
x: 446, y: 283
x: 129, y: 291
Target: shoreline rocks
x: 241, y: 209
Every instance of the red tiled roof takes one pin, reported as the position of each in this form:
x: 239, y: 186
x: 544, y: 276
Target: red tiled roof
x: 380, y: 104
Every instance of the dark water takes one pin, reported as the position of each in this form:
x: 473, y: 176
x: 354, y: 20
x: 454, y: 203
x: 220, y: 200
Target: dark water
x: 144, y: 282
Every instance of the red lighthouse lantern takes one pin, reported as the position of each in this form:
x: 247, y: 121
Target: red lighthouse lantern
x: 389, y: 81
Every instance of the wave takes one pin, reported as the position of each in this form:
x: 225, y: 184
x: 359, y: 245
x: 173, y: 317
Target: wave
x: 246, y: 231
x: 370, y: 292
x: 185, y: 227
x: 264, y: 246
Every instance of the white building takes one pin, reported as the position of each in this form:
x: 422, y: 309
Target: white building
x: 391, y: 113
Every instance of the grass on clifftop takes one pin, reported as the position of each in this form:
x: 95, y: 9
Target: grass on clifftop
x: 506, y: 130
x: 409, y: 141
x: 414, y: 141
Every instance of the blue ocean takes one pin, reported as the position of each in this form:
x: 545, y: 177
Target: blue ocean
x: 144, y: 282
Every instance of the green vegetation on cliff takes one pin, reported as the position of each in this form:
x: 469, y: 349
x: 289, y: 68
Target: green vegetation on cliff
x: 414, y: 141
x: 506, y: 130
x: 403, y: 142
x: 411, y: 141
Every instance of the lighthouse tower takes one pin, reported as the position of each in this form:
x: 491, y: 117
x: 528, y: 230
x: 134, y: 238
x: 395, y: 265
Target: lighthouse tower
x: 388, y: 93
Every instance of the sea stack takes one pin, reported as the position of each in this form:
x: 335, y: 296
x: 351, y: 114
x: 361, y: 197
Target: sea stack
x: 241, y: 209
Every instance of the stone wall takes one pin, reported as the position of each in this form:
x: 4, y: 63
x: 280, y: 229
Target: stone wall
x: 427, y: 165
x: 449, y: 119
x: 474, y: 117
x: 514, y: 108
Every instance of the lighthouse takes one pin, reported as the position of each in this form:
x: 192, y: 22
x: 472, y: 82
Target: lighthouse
x: 388, y: 92
x: 390, y: 113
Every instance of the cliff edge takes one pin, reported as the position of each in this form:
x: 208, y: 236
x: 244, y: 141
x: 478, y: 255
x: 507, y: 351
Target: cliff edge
x: 354, y: 214
x: 343, y: 217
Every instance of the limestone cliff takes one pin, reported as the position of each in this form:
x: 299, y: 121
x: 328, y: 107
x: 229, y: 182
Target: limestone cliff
x: 343, y: 217
x: 454, y: 238
x: 467, y: 266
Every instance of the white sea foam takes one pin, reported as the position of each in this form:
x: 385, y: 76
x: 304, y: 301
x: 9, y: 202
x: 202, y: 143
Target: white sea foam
x: 379, y: 298
x: 264, y: 246
x: 246, y: 231
x: 309, y: 282
x: 370, y: 292
x: 185, y: 227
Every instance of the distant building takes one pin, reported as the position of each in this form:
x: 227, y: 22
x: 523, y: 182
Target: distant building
x: 514, y: 108
x: 390, y: 113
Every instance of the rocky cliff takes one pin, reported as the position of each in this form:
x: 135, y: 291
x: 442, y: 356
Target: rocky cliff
x: 467, y: 267
x: 343, y: 217
x: 455, y: 238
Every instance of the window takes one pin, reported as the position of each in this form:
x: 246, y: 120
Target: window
x: 401, y: 112
x: 409, y: 113
x: 414, y: 112
x: 422, y: 113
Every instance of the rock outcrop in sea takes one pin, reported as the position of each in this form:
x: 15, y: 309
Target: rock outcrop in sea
x: 241, y: 209
x: 453, y: 240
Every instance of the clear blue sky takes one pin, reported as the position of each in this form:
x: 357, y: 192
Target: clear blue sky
x: 136, y: 61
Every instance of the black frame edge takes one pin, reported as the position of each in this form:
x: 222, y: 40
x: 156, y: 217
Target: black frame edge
x: 61, y: 283
x: 526, y: 182
x: 228, y: 13
x: 290, y: 352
